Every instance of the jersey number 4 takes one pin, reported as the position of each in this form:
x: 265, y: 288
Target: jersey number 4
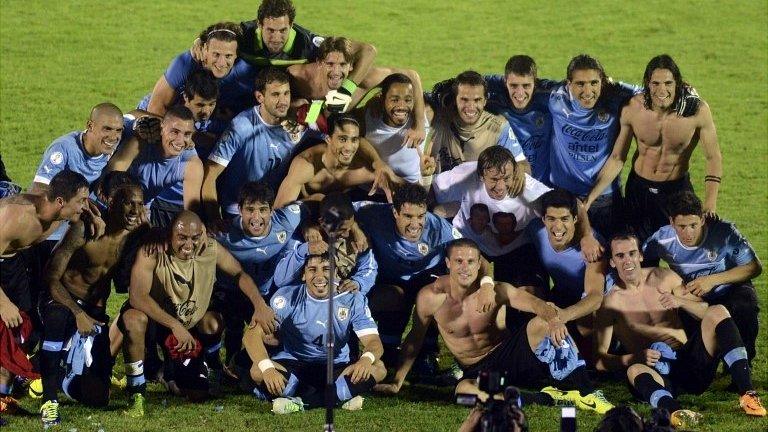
x: 318, y: 341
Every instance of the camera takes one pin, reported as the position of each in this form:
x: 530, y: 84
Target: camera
x: 497, y: 415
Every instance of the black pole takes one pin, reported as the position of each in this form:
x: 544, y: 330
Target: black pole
x: 330, y: 386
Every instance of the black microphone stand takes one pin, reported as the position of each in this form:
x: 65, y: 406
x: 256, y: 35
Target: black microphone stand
x: 330, y: 223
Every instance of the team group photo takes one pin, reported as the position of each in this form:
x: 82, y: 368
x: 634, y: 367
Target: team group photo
x: 283, y: 215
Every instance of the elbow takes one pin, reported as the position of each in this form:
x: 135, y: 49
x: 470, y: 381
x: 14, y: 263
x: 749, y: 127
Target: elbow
x: 757, y: 268
x: 368, y: 51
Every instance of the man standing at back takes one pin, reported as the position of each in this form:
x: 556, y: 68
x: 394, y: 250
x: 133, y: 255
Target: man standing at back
x: 585, y: 117
x: 520, y: 97
x: 668, y: 120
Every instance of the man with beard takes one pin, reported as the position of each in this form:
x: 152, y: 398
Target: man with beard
x: 295, y: 377
x: 335, y: 165
x: 327, y: 79
x: 463, y: 129
x: 668, y: 120
x: 169, y: 297
x: 29, y: 219
x: 80, y: 275
x: 664, y: 355
x: 164, y: 165
x: 585, y: 117
x: 256, y: 147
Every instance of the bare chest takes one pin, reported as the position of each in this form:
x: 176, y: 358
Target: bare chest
x: 668, y: 133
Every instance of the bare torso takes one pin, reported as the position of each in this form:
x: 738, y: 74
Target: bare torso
x: 638, y: 315
x: 309, y: 82
x: 665, y: 142
x: 328, y: 179
x: 90, y: 270
x: 469, y: 334
x: 24, y: 228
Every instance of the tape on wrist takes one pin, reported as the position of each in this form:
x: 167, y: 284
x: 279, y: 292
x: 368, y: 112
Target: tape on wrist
x: 486, y: 280
x: 265, y: 364
x: 369, y: 355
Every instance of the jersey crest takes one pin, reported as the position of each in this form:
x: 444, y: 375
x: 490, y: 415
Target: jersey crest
x: 342, y: 313
x: 281, y: 236
x: 711, y: 254
x: 56, y: 158
x: 279, y: 302
x: 423, y: 249
x: 602, y: 116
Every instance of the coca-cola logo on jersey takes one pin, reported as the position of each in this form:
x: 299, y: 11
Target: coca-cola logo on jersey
x: 584, y: 135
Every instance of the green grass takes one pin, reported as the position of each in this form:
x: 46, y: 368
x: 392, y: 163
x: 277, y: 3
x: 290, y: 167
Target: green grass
x: 57, y: 59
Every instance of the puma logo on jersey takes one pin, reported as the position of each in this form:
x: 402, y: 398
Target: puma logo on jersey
x: 262, y: 250
x: 322, y: 323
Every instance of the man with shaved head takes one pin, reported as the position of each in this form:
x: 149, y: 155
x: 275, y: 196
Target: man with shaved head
x: 169, y: 296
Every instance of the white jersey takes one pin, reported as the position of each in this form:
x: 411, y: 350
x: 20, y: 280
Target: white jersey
x: 388, y: 142
x: 463, y: 184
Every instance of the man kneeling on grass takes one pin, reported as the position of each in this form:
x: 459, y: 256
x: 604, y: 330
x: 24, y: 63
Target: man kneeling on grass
x: 673, y: 339
x: 537, y: 352
x: 295, y: 377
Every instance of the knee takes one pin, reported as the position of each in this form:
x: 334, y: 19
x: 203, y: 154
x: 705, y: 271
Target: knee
x: 134, y: 321
x: 379, y: 371
x: 635, y: 370
x: 715, y: 314
x: 387, y: 298
x: 211, y: 323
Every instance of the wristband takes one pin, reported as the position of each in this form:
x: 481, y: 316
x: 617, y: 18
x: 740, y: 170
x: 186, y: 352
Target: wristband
x: 485, y: 280
x: 348, y: 86
x: 265, y: 364
x: 712, y: 178
x: 369, y: 355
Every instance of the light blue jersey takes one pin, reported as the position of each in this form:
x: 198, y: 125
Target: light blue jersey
x: 303, y: 319
x: 235, y: 90
x: 532, y: 126
x: 583, y: 138
x: 67, y: 152
x: 259, y: 255
x: 566, y: 268
x: 401, y: 260
x: 363, y: 270
x: 157, y: 173
x: 722, y: 248
x: 252, y: 150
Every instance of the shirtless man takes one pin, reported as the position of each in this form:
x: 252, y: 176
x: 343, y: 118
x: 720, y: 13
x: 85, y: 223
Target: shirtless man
x: 667, y: 120
x: 327, y: 79
x: 80, y: 277
x: 335, y: 165
x: 169, y: 296
x: 27, y: 220
x: 664, y: 358
x: 480, y: 341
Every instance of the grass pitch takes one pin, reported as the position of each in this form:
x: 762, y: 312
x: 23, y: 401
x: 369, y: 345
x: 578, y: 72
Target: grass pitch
x: 57, y: 59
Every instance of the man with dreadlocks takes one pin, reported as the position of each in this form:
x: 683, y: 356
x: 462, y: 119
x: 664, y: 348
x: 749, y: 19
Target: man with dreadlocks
x: 668, y: 119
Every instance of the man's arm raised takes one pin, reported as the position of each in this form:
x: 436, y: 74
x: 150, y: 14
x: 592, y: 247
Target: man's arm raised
x: 211, y: 171
x: 193, y: 183
x: 714, y: 168
x: 162, y: 97
x: 263, y: 315
x: 299, y: 174
x: 123, y: 156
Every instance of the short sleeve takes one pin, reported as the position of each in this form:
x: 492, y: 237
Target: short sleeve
x: 54, y: 161
x: 178, y: 71
x: 362, y: 319
x: 226, y: 147
x: 508, y: 140
x: 449, y: 186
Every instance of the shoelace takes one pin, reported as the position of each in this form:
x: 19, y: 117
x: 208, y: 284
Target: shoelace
x: 599, y: 396
x: 755, y: 398
x: 50, y: 411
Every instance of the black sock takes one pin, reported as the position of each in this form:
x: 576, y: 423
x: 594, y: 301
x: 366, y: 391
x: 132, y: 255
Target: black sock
x: 212, y: 349
x: 734, y: 354
x: 655, y: 393
x: 535, y: 398
x: 51, y: 373
x: 391, y: 326
x: 579, y: 379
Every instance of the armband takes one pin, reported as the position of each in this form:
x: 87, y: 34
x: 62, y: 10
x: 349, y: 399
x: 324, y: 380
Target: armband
x: 712, y: 178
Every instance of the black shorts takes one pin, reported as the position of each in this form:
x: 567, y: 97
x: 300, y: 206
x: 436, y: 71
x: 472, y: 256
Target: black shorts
x: 521, y: 267
x: 311, y: 373
x: 694, y: 370
x: 162, y: 213
x: 233, y: 305
x: 645, y: 205
x: 515, y: 357
x: 606, y: 213
x: 15, y: 280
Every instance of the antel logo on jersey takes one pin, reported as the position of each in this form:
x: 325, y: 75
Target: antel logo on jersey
x: 584, y: 135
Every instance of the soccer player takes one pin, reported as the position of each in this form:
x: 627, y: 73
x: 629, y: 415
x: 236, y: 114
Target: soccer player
x: 716, y: 262
x: 356, y: 269
x: 522, y: 98
x: 165, y: 165
x: 479, y: 343
x: 585, y: 118
x: 667, y: 121
x: 219, y: 56
x: 578, y: 286
x: 386, y: 120
x: 258, y: 238
x: 463, y: 128
x: 80, y: 275
x: 296, y: 374
x: 664, y: 357
x: 328, y: 78
x: 335, y: 165
x: 256, y: 147
x: 29, y: 219
x: 489, y: 181
x: 169, y: 296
